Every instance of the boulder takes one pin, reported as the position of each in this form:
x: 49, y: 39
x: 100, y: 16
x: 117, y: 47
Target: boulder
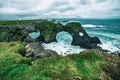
x: 46, y: 53
x: 35, y: 50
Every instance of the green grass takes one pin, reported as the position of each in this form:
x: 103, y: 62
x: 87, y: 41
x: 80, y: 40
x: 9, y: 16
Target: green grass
x: 15, y: 67
x: 16, y: 22
x: 11, y: 23
x: 46, y: 28
x: 66, y: 68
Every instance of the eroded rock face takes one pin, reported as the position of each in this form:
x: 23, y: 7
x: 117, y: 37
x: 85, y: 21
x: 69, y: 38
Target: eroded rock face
x: 85, y: 41
x: 12, y: 33
x: 49, y: 31
x: 35, y: 50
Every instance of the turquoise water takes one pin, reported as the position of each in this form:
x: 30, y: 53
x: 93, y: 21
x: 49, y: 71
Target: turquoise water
x: 34, y: 35
x: 63, y: 45
x: 107, y: 30
x: 64, y: 37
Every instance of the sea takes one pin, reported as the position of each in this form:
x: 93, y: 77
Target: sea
x: 107, y: 30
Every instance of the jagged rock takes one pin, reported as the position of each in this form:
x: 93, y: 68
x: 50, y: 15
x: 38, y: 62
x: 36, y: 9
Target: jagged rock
x: 35, y: 50
x: 31, y: 26
x: 28, y: 39
x: 95, y: 40
x: 12, y: 33
x: 40, y: 38
x: 48, y: 31
x: 83, y: 40
x: 46, y: 53
x: 80, y: 37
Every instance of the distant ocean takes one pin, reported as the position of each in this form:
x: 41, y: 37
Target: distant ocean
x: 107, y: 30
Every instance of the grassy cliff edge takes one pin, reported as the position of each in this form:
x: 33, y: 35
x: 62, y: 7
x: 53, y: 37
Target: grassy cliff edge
x: 86, y: 65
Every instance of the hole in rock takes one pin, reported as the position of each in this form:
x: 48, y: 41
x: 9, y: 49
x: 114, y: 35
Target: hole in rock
x: 34, y: 35
x: 63, y: 45
x: 81, y: 34
x: 64, y: 37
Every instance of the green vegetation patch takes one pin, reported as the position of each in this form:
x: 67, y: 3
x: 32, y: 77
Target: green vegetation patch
x: 15, y: 67
x: 46, y: 28
x: 74, y: 26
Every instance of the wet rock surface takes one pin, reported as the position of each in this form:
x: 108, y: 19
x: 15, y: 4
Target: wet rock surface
x: 34, y: 49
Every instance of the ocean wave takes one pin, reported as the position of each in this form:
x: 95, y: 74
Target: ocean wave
x: 62, y: 49
x: 110, y: 41
x: 105, y: 34
x: 91, y: 25
x: 109, y: 46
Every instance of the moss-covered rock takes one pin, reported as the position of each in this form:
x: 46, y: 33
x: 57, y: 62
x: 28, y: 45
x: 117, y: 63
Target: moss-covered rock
x: 73, y: 27
x: 46, y: 28
x: 80, y: 37
x: 12, y: 33
x: 18, y: 30
x: 4, y: 36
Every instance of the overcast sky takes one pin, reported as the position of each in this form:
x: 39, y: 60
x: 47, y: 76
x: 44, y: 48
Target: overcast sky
x: 30, y: 9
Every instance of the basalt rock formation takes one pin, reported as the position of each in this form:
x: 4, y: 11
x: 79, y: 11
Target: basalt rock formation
x: 12, y: 33
x: 49, y: 31
x: 35, y: 50
x: 19, y: 30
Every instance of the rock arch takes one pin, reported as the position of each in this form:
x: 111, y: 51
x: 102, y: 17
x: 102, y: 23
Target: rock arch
x: 50, y: 29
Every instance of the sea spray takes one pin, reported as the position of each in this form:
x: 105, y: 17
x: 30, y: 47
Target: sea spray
x: 63, y: 45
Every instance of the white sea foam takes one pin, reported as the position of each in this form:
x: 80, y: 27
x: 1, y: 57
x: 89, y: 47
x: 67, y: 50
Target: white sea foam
x: 110, y: 46
x: 91, y: 25
x: 63, y: 45
x: 62, y: 49
x: 111, y: 35
x: 64, y: 37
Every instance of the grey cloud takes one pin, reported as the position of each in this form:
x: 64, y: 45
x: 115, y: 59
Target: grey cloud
x: 100, y: 1
x: 83, y: 2
x: 25, y: 9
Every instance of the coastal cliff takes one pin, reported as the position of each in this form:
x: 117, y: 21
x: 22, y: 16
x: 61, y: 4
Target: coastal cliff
x: 22, y: 57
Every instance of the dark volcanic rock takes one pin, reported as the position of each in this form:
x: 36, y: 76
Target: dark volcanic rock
x: 12, y: 33
x: 95, y: 40
x: 85, y: 41
x: 46, y: 29
x: 31, y: 27
x: 35, y: 50
x: 80, y: 37
x: 40, y: 38
x: 46, y: 53
x: 49, y: 31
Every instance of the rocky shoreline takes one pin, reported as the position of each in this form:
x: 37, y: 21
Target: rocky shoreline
x: 33, y: 49
x: 48, y: 31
